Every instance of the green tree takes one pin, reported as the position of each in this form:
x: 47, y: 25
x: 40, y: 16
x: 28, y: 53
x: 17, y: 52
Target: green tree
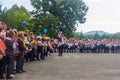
x: 115, y: 36
x: 77, y: 35
x: 96, y: 36
x: 0, y: 7
x: 3, y: 13
x: 89, y: 36
x: 82, y: 35
x: 105, y: 36
x: 50, y: 22
x: 15, y: 16
x: 66, y: 13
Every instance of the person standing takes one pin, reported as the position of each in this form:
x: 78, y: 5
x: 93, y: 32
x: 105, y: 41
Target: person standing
x: 2, y: 58
x: 43, y: 49
x: 61, y: 40
x: 9, y: 53
x: 39, y: 48
x: 20, y: 57
x: 2, y: 49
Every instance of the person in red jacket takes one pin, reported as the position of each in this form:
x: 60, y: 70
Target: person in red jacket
x: 2, y: 49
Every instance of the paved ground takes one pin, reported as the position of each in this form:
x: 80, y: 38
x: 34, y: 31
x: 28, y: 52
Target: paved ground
x: 74, y: 67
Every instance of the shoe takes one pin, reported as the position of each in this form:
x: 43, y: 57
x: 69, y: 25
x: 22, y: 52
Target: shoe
x: 19, y: 71
x: 12, y: 75
x: 2, y: 77
x: 9, y: 77
x: 38, y: 59
x: 14, y: 72
x: 43, y: 59
x: 23, y: 71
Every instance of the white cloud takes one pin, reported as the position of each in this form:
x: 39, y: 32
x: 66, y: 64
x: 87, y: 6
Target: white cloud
x: 102, y: 15
x: 9, y: 3
x: 111, y: 27
x: 91, y: 1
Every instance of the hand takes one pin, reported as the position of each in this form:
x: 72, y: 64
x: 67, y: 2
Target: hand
x: 4, y: 54
x: 1, y: 56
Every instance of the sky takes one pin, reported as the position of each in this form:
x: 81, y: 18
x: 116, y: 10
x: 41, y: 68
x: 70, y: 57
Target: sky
x: 103, y: 15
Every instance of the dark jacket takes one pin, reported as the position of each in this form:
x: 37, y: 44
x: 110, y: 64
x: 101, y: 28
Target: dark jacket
x: 9, y: 46
x: 21, y: 46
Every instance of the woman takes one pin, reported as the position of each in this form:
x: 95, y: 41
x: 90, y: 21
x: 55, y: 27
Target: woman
x: 22, y: 49
x: 2, y: 58
x: 2, y: 49
x: 61, y: 40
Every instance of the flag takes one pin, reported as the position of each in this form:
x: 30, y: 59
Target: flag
x: 2, y: 46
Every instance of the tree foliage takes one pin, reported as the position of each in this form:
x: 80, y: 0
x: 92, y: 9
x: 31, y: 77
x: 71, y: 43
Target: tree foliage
x: 3, y: 13
x: 0, y: 11
x: 80, y: 35
x: 58, y: 15
x: 14, y: 16
x: 96, y: 36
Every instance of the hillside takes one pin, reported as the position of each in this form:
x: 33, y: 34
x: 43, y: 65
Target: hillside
x: 93, y: 32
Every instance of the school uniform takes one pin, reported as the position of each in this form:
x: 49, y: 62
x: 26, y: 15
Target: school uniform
x: 39, y: 49
x: 20, y: 57
x: 61, y: 44
x: 42, y: 56
x: 9, y: 56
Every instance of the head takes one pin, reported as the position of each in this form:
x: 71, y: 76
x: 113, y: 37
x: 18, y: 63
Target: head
x: 2, y: 26
x: 10, y: 34
x: 26, y: 31
x: 31, y: 33
x: 21, y: 34
x: 16, y: 34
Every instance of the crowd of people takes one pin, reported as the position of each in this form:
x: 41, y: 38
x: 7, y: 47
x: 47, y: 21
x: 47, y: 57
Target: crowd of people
x: 89, y: 46
x: 17, y: 47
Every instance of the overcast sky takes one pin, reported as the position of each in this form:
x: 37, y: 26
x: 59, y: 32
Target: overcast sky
x: 102, y: 15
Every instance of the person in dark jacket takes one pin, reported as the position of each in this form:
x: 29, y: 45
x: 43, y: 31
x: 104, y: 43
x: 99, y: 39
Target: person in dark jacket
x: 20, y: 57
x: 61, y: 42
x: 9, y: 53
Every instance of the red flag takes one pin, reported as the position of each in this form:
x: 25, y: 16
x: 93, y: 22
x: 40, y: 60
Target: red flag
x: 2, y: 46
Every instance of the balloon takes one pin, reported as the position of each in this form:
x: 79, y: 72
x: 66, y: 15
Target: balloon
x: 24, y: 23
x: 45, y: 30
